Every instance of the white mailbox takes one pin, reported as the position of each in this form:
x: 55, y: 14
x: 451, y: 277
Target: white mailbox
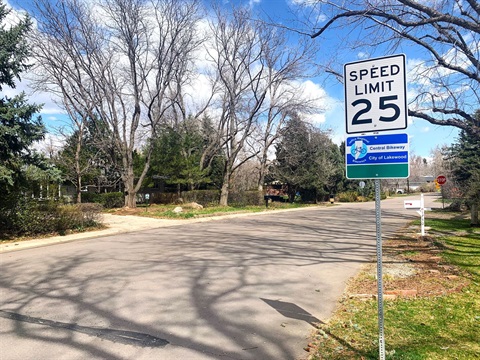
x: 412, y: 204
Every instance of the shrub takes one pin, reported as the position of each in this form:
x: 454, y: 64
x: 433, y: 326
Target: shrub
x: 32, y: 218
x: 245, y: 198
x: 204, y: 197
x: 163, y: 198
x: 112, y: 200
x: 107, y: 200
x: 88, y: 197
x: 67, y: 217
x: 456, y: 205
x: 91, y: 214
x: 347, y: 196
x: 424, y: 188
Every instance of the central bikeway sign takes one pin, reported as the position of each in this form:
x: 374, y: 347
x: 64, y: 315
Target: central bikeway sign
x: 377, y: 157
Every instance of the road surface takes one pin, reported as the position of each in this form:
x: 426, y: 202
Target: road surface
x: 243, y: 288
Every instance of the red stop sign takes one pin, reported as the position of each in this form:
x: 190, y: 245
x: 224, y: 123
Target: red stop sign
x: 441, y: 180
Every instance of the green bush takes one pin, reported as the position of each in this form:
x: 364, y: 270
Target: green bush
x: 107, y: 200
x: 88, y: 197
x: 112, y: 200
x: 163, y: 198
x: 348, y: 196
x: 245, y: 198
x: 31, y: 218
x: 67, y: 217
x: 203, y: 197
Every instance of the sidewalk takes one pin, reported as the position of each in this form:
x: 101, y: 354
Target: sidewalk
x: 117, y: 224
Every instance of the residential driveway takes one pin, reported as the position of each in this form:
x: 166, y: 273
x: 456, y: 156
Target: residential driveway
x: 238, y: 288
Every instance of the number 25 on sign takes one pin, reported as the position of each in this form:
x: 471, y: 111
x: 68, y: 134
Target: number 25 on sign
x: 375, y: 95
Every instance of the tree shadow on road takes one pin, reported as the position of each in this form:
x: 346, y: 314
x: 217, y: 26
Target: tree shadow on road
x: 129, y: 290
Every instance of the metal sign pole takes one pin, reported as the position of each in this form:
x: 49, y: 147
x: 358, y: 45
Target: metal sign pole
x: 378, y: 218
x: 422, y: 214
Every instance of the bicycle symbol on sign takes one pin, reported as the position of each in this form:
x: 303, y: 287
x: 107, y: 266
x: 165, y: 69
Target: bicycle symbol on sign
x: 358, y: 149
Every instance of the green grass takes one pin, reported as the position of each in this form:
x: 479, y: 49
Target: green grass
x: 446, y: 201
x: 443, y: 327
x: 448, y: 226
x: 166, y: 211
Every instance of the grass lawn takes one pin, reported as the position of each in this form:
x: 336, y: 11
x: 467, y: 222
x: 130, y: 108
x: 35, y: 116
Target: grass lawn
x: 188, y: 212
x: 441, y: 322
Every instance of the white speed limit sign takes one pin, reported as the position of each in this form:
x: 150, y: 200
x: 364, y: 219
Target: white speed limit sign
x: 376, y: 95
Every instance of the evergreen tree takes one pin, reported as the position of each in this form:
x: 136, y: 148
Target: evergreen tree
x: 466, y: 168
x: 306, y: 160
x: 97, y: 163
x: 19, y: 129
x: 177, y: 154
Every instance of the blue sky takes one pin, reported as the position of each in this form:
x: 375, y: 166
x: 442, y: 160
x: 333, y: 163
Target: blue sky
x: 423, y: 135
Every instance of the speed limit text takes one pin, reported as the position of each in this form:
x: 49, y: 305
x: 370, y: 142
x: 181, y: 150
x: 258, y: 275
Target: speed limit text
x: 374, y: 73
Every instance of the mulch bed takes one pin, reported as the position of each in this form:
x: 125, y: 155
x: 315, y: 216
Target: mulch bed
x: 410, y: 262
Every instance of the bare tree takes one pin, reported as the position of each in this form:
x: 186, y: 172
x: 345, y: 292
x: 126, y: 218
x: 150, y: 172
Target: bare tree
x: 236, y: 55
x: 119, y: 62
x: 59, y: 71
x: 256, y: 71
x: 286, y: 65
x: 438, y: 163
x: 447, y: 33
x: 418, y: 168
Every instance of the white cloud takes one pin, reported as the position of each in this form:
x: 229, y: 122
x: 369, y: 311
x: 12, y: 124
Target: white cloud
x: 14, y: 16
x: 317, y: 96
x: 50, y: 145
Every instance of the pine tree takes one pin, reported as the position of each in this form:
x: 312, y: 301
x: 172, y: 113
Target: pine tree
x: 466, y: 168
x: 19, y: 129
x: 306, y: 160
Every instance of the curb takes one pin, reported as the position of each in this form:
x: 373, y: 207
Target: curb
x: 142, y: 223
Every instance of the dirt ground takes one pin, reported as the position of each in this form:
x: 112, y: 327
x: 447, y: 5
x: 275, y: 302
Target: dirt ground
x: 411, y: 267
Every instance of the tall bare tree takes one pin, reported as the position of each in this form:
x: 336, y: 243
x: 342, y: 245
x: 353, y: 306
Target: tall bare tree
x: 287, y: 64
x: 256, y: 71
x: 236, y: 55
x: 446, y: 33
x: 119, y: 62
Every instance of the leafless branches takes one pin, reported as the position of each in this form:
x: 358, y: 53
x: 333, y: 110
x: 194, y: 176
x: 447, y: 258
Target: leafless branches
x: 447, y: 83
x: 121, y: 62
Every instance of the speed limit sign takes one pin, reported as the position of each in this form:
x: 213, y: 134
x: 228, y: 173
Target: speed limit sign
x: 375, y: 95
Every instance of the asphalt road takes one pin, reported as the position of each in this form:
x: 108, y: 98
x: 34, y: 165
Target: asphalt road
x: 243, y: 288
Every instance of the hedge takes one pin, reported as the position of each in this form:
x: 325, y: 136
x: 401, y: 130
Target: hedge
x: 30, y: 218
x: 107, y: 200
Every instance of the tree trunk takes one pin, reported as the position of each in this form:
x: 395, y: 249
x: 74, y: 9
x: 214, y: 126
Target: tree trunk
x: 474, y: 214
x: 131, y: 199
x: 79, y: 190
x: 130, y: 193
x: 225, y: 189
x: 263, y: 166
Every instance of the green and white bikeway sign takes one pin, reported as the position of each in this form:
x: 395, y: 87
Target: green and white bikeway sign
x: 377, y: 156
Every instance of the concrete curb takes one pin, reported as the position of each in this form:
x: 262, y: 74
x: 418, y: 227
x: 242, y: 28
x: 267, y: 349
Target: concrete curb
x: 120, y: 224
